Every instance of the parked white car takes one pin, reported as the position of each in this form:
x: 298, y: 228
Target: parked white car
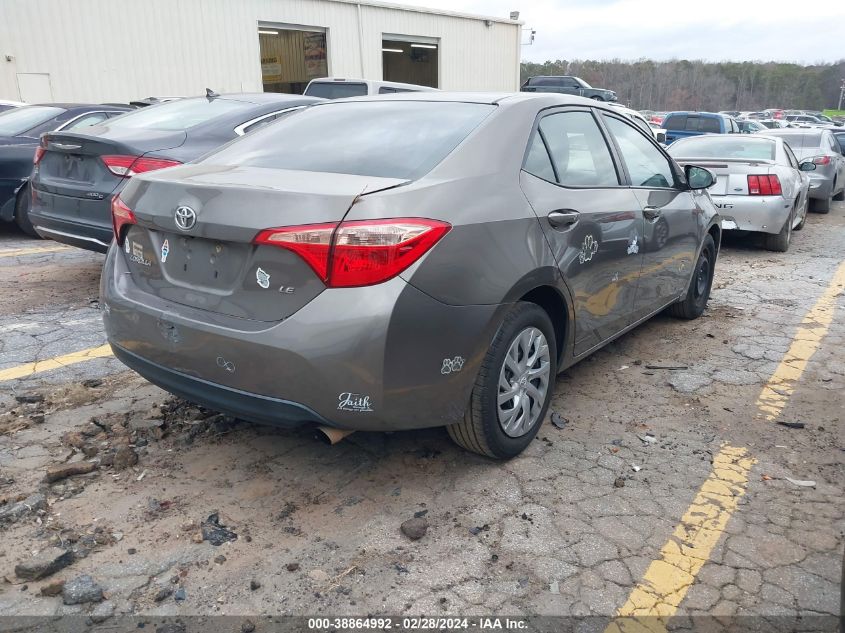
x: 658, y: 133
x: 339, y: 87
x: 760, y: 185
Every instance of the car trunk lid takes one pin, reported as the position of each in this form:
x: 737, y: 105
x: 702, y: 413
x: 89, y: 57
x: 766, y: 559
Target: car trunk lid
x: 731, y: 173
x: 72, y: 163
x: 214, y: 265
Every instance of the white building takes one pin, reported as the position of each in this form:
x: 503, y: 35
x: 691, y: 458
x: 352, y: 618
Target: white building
x: 118, y: 50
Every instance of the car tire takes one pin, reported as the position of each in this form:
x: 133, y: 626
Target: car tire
x: 482, y: 429
x: 803, y: 221
x: 839, y: 197
x: 821, y: 206
x: 22, y: 205
x: 597, y: 98
x: 779, y: 242
x: 695, y: 301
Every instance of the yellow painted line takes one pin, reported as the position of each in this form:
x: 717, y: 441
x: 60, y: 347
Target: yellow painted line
x: 30, y: 369
x: 20, y: 252
x: 668, y: 578
x: 816, y: 322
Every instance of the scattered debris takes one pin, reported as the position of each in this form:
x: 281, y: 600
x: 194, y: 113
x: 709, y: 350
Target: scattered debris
x: 82, y: 589
x: 45, y: 563
x: 14, y: 511
x: 318, y: 575
x: 57, y: 472
x: 805, y: 483
x: 124, y: 457
x: 792, y: 425
x: 292, y: 566
x: 765, y: 477
x: 619, y: 482
x: 220, y: 559
x: 554, y: 586
x: 254, y: 585
x: 559, y: 421
x: 163, y: 593
x: 53, y: 588
x: 415, y: 528
x: 623, y: 368
x: 636, y: 468
x: 180, y: 595
x: 32, y: 398
x: 102, y: 612
x: 92, y: 383
x: 475, y: 531
x: 668, y: 367
x: 648, y: 438
x: 214, y: 532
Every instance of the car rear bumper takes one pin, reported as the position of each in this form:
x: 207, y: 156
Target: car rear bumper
x: 242, y: 404
x: 74, y: 221
x: 766, y: 214
x: 367, y: 358
x: 821, y: 187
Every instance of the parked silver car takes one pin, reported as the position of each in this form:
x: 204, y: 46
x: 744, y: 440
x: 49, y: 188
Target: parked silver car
x: 827, y: 182
x: 760, y: 185
x: 405, y: 261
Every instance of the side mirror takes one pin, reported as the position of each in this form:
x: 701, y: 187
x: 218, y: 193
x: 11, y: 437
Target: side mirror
x: 698, y: 177
x: 807, y: 165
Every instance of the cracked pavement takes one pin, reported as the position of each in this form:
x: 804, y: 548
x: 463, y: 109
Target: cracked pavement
x: 568, y: 528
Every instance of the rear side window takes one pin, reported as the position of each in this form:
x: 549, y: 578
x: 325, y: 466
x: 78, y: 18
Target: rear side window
x: 578, y: 150
x: 389, y: 139
x: 338, y: 90
x: 709, y: 124
x: 179, y: 115
x: 545, y: 81
x: 675, y: 122
x: 91, y: 119
x: 538, y: 162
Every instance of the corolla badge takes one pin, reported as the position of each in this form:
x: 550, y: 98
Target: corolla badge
x: 588, y: 249
x: 185, y: 218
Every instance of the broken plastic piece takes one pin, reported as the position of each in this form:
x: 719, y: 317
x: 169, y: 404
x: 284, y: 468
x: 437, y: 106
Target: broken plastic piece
x: 806, y: 483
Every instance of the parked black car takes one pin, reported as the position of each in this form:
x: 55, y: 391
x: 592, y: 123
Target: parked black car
x: 19, y: 132
x: 77, y: 173
x: 567, y: 85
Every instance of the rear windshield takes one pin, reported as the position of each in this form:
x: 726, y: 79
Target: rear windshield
x: 20, y: 120
x: 801, y: 141
x: 327, y: 90
x: 723, y: 147
x: 179, y: 115
x: 389, y: 139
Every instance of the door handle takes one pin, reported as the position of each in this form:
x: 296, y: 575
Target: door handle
x: 563, y: 218
x: 651, y: 213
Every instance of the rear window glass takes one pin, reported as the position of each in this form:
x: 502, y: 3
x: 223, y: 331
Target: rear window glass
x: 326, y: 90
x: 20, y: 120
x: 389, y: 139
x: 800, y: 141
x: 179, y: 115
x: 723, y: 147
x: 675, y: 122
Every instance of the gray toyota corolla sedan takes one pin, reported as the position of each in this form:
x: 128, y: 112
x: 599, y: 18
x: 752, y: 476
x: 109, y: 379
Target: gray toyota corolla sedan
x: 406, y: 261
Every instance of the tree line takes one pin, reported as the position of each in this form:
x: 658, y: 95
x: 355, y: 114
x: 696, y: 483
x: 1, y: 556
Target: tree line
x: 681, y: 84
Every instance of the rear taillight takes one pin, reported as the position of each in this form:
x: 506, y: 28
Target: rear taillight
x: 39, y: 154
x: 822, y: 160
x: 764, y: 185
x: 126, y: 166
x: 121, y: 216
x: 360, y: 253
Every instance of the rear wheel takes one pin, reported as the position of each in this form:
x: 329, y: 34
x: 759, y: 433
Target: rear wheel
x: 780, y: 242
x: 839, y: 197
x: 597, y: 98
x: 821, y: 206
x: 693, y: 304
x: 513, y: 388
x: 22, y: 212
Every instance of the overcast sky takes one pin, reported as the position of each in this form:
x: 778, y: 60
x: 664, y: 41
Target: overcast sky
x: 715, y: 30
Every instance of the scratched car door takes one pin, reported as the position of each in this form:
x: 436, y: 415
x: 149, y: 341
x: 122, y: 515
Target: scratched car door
x: 672, y: 217
x: 591, y: 218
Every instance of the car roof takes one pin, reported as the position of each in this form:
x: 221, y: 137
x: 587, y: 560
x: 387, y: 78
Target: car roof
x: 543, y: 99
x: 699, y: 113
x: 258, y: 98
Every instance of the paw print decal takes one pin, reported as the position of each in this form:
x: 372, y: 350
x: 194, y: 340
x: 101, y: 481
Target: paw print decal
x: 588, y: 249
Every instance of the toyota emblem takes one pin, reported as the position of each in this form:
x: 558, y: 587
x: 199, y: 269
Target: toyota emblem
x: 186, y: 218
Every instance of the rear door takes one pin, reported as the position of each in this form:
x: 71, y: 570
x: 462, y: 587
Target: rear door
x: 591, y: 218
x: 672, y: 217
